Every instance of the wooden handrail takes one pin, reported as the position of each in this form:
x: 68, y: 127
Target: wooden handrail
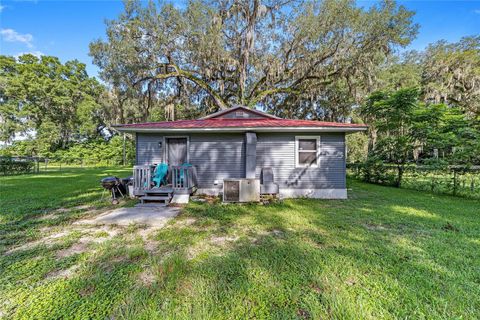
x: 181, y: 177
x: 142, y: 177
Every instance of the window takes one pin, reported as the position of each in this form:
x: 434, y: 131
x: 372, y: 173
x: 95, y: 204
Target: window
x: 241, y: 114
x: 306, y: 151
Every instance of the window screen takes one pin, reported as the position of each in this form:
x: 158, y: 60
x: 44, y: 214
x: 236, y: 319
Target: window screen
x: 307, y: 151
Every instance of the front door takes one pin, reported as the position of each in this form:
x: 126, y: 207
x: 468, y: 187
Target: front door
x: 176, y: 151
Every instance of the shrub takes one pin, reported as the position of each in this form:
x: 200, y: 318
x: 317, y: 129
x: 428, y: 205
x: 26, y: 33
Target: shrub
x: 375, y: 171
x: 10, y: 165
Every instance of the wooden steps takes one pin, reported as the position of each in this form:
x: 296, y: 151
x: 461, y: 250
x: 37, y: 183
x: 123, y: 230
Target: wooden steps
x: 162, y: 194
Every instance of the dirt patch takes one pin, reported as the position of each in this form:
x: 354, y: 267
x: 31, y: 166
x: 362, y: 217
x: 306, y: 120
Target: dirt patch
x: 48, y: 216
x: 150, y: 244
x: 351, y: 281
x: 87, y: 291
x: 47, y: 241
x: 278, y: 233
x: 304, y: 314
x: 76, y: 208
x: 146, y: 278
x: 220, y: 241
x: 205, y: 199
x: 64, y: 273
x: 146, y: 233
x: 185, y: 222
x: 77, y: 248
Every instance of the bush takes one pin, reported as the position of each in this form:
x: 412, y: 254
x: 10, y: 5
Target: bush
x: 97, y: 152
x: 10, y: 165
x: 91, y: 152
x: 375, y: 171
x: 436, y: 177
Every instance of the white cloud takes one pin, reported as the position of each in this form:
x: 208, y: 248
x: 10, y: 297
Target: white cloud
x: 11, y: 35
x: 36, y: 53
x: 1, y: 8
x: 477, y: 11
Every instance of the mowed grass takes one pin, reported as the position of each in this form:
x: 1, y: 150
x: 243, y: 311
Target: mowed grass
x: 385, y: 253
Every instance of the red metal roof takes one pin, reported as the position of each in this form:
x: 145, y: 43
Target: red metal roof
x: 239, y: 123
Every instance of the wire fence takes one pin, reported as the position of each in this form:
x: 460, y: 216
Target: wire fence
x: 34, y: 165
x: 455, y: 180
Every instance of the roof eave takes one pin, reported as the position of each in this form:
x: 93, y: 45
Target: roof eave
x: 244, y: 129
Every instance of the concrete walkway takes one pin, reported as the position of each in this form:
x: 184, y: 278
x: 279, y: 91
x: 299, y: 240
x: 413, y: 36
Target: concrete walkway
x: 149, y: 214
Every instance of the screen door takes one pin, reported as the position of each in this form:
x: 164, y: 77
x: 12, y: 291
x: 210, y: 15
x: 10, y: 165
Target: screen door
x: 176, y: 151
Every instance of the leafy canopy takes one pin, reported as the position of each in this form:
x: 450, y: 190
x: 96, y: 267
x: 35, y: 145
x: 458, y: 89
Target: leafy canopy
x: 290, y: 57
x: 55, y: 102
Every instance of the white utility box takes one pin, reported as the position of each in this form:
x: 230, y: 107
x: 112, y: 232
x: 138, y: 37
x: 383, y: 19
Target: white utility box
x: 241, y: 190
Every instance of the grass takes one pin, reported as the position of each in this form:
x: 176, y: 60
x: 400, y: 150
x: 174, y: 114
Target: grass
x: 385, y: 253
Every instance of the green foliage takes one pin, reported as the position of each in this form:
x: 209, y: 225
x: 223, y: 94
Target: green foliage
x: 94, y: 152
x: 54, y: 102
x: 9, y: 165
x: 436, y: 177
x: 402, y: 130
x: 451, y: 74
x: 357, y: 147
x: 302, y: 59
x: 392, y: 118
x: 98, y: 151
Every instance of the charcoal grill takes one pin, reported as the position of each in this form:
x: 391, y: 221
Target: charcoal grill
x: 116, y: 187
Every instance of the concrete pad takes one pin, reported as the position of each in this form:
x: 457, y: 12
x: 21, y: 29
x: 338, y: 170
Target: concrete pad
x: 155, y: 216
x: 180, y: 198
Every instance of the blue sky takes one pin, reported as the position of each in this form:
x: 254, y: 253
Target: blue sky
x: 65, y: 28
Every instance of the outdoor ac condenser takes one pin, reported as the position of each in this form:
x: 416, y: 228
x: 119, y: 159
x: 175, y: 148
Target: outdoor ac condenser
x: 241, y: 190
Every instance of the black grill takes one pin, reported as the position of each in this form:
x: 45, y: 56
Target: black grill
x: 117, y: 187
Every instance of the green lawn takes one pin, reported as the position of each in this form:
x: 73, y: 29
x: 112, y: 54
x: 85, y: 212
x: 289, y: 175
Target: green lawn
x: 384, y: 253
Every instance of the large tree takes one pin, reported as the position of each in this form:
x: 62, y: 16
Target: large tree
x: 56, y: 103
x: 451, y: 74
x: 294, y: 58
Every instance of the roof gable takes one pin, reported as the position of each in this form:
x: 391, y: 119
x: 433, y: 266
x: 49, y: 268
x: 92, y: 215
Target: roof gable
x: 239, y: 112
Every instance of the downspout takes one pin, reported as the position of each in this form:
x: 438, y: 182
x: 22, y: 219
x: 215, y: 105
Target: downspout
x: 250, y: 154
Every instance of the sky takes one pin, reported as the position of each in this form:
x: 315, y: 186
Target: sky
x: 65, y: 28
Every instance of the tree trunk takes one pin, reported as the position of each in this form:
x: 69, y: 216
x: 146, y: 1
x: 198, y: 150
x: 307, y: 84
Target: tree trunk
x: 400, y: 172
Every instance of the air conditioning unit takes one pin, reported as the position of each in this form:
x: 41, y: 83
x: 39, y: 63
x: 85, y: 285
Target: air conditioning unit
x: 241, y: 190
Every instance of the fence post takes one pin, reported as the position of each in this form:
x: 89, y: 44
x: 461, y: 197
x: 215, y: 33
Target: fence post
x: 454, y: 182
x: 124, y: 154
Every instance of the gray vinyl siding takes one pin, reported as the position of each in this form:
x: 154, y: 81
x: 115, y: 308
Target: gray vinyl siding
x: 222, y: 155
x: 277, y: 150
x: 217, y: 156
x: 148, y: 151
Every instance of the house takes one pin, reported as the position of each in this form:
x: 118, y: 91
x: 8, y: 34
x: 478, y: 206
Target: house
x: 307, y: 158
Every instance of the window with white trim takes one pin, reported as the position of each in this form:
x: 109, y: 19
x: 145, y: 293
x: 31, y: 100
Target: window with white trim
x: 306, y: 151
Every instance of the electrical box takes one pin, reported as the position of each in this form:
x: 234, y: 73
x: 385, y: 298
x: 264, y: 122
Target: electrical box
x: 241, y: 190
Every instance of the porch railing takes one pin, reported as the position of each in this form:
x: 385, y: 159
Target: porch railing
x: 179, y: 178
x: 183, y: 177
x: 142, y: 177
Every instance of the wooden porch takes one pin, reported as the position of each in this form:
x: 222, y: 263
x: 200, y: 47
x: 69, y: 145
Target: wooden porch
x: 180, y: 180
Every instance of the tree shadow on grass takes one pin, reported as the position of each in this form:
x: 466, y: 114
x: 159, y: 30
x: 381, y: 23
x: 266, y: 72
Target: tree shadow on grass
x: 365, y: 258
x: 104, y: 277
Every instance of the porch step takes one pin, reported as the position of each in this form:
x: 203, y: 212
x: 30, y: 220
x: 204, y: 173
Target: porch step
x: 165, y: 199
x: 161, y: 190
